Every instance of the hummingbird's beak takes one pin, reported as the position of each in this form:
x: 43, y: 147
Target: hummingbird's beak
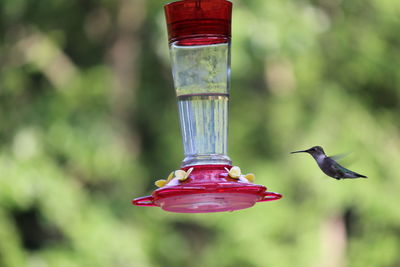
x: 300, y: 151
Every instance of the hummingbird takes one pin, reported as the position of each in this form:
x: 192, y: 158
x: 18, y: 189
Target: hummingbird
x: 328, y: 165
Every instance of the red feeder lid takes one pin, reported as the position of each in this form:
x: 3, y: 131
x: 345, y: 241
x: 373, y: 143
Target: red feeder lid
x: 206, y: 21
x: 207, y: 189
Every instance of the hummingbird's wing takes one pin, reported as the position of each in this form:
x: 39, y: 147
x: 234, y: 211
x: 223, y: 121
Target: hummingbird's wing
x: 339, y: 156
x: 344, y: 159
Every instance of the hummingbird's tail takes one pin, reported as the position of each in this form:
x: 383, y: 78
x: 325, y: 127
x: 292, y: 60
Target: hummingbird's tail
x: 351, y: 174
x: 357, y: 175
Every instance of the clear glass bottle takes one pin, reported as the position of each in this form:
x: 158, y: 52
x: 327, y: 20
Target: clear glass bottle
x: 200, y: 59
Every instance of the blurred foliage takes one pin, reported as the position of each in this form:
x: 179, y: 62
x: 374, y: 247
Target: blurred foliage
x: 89, y: 121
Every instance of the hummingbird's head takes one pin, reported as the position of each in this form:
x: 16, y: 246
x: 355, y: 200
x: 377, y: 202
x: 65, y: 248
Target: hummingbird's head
x: 314, y: 151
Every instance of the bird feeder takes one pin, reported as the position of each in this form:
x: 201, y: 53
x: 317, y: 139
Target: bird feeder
x: 199, y: 34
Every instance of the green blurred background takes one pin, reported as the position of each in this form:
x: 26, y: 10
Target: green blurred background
x: 88, y: 121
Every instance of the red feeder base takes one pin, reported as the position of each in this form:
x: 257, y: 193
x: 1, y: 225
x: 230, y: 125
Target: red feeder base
x: 207, y: 189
